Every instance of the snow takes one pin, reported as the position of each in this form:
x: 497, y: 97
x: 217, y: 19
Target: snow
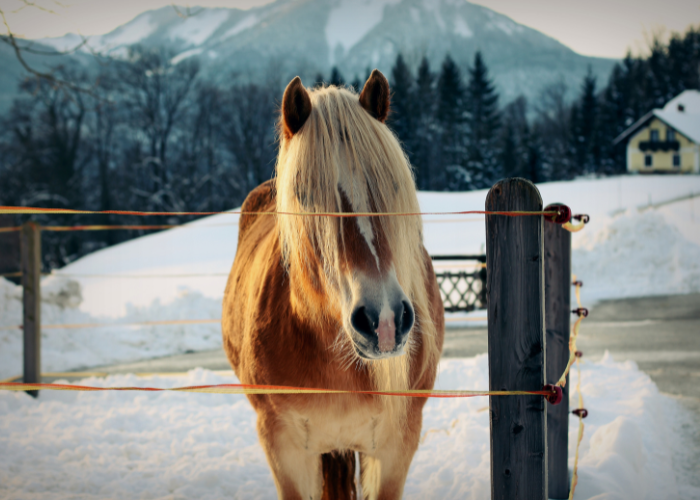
x: 505, y: 25
x: 432, y: 5
x: 204, y: 446
x: 671, y: 262
x: 77, y: 348
x: 197, y: 28
x: 350, y: 20
x: 205, y: 247
x: 687, y: 122
x: 242, y: 25
x: 63, y: 43
x: 461, y: 28
x: 128, y: 34
x: 186, y: 54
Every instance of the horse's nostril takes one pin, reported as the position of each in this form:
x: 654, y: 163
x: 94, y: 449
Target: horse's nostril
x: 405, y: 323
x: 365, y: 321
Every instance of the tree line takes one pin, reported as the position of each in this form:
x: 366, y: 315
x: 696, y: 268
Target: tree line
x: 152, y: 134
x: 149, y: 135
x: 458, y: 137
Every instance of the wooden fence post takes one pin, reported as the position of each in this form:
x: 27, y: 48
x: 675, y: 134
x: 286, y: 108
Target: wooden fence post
x: 30, y: 249
x: 557, y: 292
x: 515, y: 288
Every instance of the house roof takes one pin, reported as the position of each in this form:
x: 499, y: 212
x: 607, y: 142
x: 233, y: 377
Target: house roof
x: 687, y: 121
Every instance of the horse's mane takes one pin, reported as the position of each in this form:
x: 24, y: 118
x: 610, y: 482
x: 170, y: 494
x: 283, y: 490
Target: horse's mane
x: 375, y: 177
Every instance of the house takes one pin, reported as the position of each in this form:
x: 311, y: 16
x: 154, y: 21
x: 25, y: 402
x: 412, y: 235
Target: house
x: 666, y: 140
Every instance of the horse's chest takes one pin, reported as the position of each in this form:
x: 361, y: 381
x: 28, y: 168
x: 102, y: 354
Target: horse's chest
x: 337, y: 428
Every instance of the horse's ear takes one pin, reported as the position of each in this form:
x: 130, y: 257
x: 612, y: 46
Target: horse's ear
x: 296, y: 107
x: 375, y: 96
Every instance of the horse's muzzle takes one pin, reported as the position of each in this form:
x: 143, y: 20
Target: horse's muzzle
x: 381, y: 335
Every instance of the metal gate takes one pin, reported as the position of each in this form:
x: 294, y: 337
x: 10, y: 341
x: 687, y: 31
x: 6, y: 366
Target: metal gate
x: 462, y: 289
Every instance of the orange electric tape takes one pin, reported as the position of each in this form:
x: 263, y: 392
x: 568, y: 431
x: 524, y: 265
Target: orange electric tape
x: 99, y: 325
x: 66, y: 211
x: 119, y: 227
x: 269, y: 389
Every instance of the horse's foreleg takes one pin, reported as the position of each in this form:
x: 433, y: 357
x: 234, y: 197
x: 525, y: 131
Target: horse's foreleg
x: 384, y: 475
x: 384, y: 472
x: 296, y: 471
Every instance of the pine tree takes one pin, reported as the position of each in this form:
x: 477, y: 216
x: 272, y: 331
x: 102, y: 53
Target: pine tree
x: 613, y: 121
x: 483, y: 122
x: 533, y: 161
x: 509, y: 153
x: 336, y: 77
x: 424, y: 134
x: 514, y: 139
x: 657, y: 78
x: 402, y: 95
x: 319, y: 80
x: 450, y: 121
x: 356, y: 84
x: 586, y: 140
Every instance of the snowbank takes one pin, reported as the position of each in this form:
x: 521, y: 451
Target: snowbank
x: 204, y: 446
x: 637, y: 254
x: 77, y: 348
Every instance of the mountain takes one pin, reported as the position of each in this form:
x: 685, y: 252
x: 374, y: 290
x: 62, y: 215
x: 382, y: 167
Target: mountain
x: 305, y: 37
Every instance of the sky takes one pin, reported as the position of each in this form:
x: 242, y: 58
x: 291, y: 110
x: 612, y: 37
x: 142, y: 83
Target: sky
x: 604, y: 28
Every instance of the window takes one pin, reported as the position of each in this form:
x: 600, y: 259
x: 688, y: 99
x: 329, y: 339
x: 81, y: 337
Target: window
x: 647, y: 160
x: 676, y: 161
x: 670, y: 134
x: 654, y: 135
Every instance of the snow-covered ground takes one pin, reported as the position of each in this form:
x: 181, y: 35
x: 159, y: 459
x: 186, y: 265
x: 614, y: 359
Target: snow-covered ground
x: 204, y: 446
x: 169, y: 445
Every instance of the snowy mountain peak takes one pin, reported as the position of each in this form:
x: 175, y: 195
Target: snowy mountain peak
x: 307, y: 37
x: 350, y: 20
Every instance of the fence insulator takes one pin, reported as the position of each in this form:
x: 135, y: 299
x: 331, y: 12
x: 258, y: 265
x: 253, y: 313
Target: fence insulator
x: 582, y: 218
x: 563, y: 213
x: 580, y: 412
x: 581, y: 311
x: 557, y: 394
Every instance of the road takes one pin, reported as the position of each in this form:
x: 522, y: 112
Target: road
x: 661, y: 334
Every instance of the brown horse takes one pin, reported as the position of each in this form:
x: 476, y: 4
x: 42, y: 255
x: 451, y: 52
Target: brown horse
x: 335, y: 303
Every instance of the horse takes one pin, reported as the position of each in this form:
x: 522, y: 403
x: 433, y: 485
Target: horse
x: 343, y: 303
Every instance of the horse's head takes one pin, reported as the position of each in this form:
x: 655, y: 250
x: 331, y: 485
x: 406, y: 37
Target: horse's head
x: 337, y: 155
